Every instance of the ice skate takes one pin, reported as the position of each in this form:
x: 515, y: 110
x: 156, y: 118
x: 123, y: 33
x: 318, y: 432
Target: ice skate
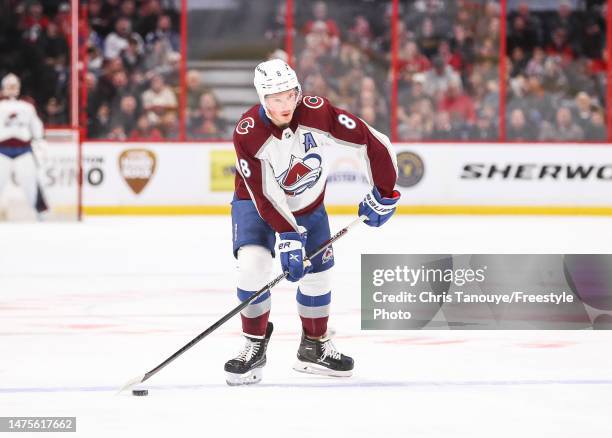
x: 319, y: 356
x: 246, y: 368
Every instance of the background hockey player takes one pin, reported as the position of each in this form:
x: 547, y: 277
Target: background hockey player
x: 282, y: 167
x: 21, y: 133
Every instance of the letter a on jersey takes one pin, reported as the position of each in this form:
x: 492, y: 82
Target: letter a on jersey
x: 302, y: 174
x: 309, y: 142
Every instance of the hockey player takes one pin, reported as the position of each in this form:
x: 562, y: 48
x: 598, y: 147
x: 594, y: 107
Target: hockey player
x: 21, y: 131
x: 282, y: 166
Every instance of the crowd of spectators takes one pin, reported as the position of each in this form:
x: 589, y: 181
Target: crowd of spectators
x: 35, y: 45
x: 133, y: 59
x: 448, y: 72
x: 557, y: 73
x: 448, y: 75
x: 205, y: 120
x: 448, y: 67
x: 350, y: 67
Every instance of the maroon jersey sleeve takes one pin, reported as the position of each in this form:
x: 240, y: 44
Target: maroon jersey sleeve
x: 256, y: 176
x: 346, y: 128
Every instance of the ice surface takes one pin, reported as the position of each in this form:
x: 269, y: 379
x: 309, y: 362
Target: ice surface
x: 85, y: 307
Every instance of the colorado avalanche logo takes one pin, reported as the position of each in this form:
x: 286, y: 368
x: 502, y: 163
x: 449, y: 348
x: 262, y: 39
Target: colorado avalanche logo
x: 313, y: 102
x: 244, y: 125
x: 302, y: 174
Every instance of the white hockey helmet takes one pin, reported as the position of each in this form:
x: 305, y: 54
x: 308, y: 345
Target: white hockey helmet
x: 11, y: 86
x: 275, y: 76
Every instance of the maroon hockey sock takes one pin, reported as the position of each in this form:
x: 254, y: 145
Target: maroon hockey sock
x: 314, y: 327
x: 255, y: 326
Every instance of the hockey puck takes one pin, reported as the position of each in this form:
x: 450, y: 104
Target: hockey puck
x: 140, y: 392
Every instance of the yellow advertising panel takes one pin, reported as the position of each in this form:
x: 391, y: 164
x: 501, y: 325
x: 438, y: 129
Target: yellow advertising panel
x: 222, y: 170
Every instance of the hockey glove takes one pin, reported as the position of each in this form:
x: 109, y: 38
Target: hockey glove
x: 378, y: 209
x: 292, y: 254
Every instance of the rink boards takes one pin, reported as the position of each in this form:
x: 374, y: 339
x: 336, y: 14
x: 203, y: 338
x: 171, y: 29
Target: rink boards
x: 183, y: 178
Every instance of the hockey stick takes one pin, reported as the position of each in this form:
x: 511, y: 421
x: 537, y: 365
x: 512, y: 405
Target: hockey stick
x: 236, y: 310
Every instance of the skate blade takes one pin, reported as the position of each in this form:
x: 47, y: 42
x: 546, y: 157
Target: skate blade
x: 250, y: 378
x: 319, y: 370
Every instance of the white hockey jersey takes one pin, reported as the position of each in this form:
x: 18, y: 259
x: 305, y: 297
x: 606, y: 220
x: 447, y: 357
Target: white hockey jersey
x: 19, y: 123
x: 284, y: 171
